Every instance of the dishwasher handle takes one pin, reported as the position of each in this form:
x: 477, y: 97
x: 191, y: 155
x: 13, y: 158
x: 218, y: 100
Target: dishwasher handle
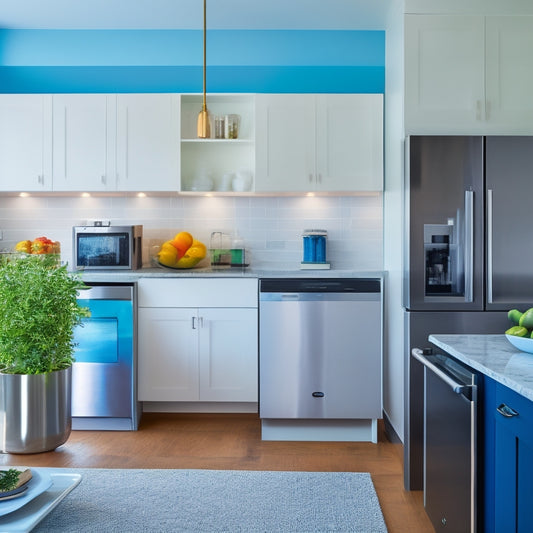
x: 458, y: 388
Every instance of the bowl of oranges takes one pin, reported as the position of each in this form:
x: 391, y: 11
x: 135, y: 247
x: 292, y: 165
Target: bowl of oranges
x: 183, y: 251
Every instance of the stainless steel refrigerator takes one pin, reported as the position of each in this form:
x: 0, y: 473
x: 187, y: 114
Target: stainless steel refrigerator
x: 468, y: 251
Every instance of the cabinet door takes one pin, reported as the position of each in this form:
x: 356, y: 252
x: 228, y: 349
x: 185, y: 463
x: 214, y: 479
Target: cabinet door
x: 350, y: 142
x: 444, y: 73
x: 25, y: 142
x: 148, y: 143
x: 285, y: 142
x: 168, y: 355
x: 509, y: 73
x: 228, y: 355
x: 514, y: 463
x: 84, y: 142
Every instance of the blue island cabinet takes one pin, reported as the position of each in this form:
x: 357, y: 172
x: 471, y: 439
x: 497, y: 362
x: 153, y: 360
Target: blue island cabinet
x: 511, y: 488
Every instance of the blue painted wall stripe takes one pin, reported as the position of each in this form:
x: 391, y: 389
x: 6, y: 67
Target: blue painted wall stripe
x: 189, y: 79
x: 170, y: 61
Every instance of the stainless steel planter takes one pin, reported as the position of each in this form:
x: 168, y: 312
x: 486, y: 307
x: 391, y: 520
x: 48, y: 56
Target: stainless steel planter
x: 35, y: 411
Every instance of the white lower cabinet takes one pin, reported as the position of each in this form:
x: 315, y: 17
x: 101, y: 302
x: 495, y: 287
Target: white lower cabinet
x: 198, y: 354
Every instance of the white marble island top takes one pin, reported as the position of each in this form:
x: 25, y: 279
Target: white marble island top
x: 494, y: 356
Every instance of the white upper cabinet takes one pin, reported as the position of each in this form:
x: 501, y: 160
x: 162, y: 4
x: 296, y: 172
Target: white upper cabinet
x: 319, y: 142
x: 468, y: 74
x: 125, y: 142
x: 285, y: 142
x: 509, y: 73
x: 148, y: 139
x: 84, y: 142
x: 349, y: 149
x: 25, y: 142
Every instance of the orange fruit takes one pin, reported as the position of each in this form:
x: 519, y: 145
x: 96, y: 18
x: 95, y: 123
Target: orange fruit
x: 183, y: 240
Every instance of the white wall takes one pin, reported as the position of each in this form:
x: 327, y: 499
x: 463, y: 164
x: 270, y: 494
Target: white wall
x: 393, y: 375
x: 271, y: 227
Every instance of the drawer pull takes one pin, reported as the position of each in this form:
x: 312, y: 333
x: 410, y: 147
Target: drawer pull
x: 506, y: 411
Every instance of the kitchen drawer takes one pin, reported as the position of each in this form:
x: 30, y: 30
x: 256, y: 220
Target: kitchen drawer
x: 195, y: 292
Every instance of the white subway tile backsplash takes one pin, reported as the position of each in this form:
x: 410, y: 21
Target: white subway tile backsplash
x: 270, y: 226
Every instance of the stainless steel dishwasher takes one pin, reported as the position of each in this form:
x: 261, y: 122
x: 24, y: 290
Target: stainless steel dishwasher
x: 450, y: 442
x: 319, y: 350
x: 104, y: 376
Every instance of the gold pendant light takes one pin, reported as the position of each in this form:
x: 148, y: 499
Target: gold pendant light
x: 204, y: 126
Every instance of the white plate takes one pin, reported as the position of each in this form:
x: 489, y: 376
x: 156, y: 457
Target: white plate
x: 27, y: 517
x: 522, y: 343
x: 38, y: 483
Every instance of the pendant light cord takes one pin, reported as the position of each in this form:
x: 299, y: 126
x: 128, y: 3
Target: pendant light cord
x: 205, y: 56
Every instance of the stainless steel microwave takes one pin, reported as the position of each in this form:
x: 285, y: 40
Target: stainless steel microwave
x: 107, y: 247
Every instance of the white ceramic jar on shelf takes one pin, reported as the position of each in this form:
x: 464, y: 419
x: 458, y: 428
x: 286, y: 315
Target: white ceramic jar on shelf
x: 242, y: 182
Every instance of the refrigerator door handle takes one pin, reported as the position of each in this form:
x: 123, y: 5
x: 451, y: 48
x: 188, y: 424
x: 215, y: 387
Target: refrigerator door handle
x: 489, y: 245
x: 469, y: 246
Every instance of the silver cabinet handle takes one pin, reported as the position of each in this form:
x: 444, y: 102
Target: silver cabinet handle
x: 40, y: 179
x: 469, y: 246
x: 65, y: 126
x: 103, y: 180
x: 193, y: 322
x: 310, y: 178
x: 127, y: 151
x: 489, y: 245
x: 506, y: 411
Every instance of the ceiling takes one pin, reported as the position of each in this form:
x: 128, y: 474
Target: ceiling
x: 187, y: 14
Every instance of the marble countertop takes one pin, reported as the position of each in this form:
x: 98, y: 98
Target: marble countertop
x: 130, y: 276
x: 494, y: 356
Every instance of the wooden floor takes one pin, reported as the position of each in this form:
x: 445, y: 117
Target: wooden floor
x: 233, y: 441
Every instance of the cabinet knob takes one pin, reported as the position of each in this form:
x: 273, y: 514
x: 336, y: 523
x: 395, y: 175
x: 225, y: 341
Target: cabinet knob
x: 506, y: 411
x: 40, y: 179
x: 310, y: 178
x: 103, y: 179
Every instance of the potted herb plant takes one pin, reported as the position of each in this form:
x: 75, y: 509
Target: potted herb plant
x: 38, y: 314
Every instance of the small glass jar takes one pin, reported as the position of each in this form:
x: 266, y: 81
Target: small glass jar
x: 220, y: 122
x: 231, y: 126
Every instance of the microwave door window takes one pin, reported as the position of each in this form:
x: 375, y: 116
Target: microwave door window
x: 103, y: 250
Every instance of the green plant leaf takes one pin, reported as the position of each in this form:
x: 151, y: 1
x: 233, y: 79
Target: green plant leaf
x: 38, y: 313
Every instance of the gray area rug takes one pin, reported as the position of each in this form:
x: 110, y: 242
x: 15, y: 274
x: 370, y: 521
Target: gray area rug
x: 112, y: 500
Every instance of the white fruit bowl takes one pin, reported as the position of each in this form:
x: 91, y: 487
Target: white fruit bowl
x: 524, y: 344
